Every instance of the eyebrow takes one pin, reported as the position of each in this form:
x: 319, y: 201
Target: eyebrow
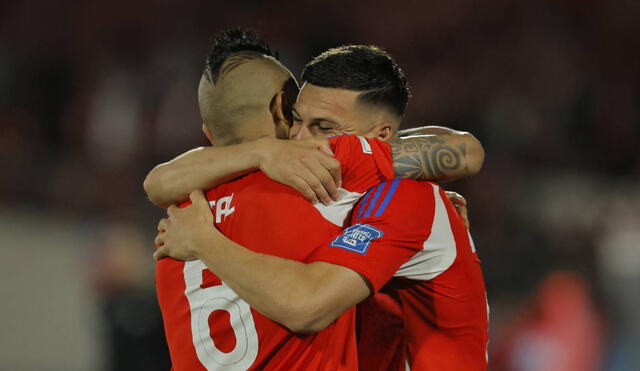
x: 317, y: 119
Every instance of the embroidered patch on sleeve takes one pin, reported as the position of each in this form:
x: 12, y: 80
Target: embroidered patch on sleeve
x: 357, y: 238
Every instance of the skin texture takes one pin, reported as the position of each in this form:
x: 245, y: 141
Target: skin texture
x: 428, y: 157
x: 323, y: 112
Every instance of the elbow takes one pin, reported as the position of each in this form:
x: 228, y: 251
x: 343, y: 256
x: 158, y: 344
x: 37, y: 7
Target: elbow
x: 306, y: 326
x: 474, y: 154
x: 152, y: 185
x: 305, y: 319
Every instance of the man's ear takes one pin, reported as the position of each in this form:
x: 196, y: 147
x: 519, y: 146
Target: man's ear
x: 280, y: 120
x: 382, y: 131
x: 207, y: 133
x: 277, y: 110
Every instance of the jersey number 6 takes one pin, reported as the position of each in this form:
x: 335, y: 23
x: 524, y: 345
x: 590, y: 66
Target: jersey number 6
x: 203, y: 302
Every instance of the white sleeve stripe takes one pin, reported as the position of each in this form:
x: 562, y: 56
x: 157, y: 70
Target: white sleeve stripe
x: 338, y: 211
x: 438, y: 251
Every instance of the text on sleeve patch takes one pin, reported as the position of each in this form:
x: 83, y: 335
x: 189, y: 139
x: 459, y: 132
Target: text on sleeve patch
x: 357, y: 238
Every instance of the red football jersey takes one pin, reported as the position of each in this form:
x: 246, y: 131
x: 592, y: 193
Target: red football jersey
x: 208, y: 327
x: 436, y: 301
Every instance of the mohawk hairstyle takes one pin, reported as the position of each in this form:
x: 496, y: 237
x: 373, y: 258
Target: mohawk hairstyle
x: 235, y: 41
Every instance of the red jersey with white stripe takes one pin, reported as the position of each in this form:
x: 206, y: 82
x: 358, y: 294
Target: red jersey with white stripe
x: 421, y: 261
x: 208, y: 327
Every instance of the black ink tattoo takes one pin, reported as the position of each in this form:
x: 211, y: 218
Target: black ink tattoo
x: 428, y: 158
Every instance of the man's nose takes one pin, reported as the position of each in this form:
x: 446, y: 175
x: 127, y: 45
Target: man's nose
x: 299, y: 131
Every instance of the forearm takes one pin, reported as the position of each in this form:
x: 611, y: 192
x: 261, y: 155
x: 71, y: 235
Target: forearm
x: 286, y: 291
x: 200, y: 168
x: 441, y: 157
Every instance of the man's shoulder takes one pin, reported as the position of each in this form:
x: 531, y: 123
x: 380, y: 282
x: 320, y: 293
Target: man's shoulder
x: 408, y: 190
x: 417, y: 186
x: 397, y: 199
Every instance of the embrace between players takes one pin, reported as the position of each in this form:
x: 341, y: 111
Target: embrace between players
x: 251, y: 275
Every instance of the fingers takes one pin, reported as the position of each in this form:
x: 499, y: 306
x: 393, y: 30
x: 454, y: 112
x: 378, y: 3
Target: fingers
x: 199, y: 200
x: 160, y: 253
x: 327, y: 180
x: 301, y: 186
x: 197, y: 196
x: 172, y: 209
x: 324, y: 147
x: 159, y: 240
x: 162, y: 224
x: 333, y: 167
x: 464, y: 214
x: 456, y: 198
x: 460, y: 203
x: 315, y: 180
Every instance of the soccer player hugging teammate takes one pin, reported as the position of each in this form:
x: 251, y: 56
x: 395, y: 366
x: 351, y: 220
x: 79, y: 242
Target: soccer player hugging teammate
x: 279, y: 260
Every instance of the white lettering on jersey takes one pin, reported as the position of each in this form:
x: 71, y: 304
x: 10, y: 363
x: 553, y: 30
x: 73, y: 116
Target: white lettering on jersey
x: 438, y: 251
x: 202, y: 303
x: 223, y: 207
x: 366, y: 148
x: 338, y: 211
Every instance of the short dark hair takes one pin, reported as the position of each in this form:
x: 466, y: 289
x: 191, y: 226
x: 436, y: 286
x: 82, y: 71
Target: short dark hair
x: 235, y: 41
x: 364, y: 68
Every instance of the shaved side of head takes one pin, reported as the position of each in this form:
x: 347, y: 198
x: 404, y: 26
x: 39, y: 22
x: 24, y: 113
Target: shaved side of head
x: 241, y: 96
x: 239, y: 90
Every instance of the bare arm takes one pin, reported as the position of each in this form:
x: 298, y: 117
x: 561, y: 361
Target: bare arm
x: 201, y: 168
x: 303, y: 165
x: 445, y: 156
x: 302, y: 297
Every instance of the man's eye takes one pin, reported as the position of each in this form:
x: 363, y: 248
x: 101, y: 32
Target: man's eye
x: 325, y: 128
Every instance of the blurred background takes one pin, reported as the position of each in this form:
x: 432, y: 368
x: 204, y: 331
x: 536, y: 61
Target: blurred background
x: 94, y: 94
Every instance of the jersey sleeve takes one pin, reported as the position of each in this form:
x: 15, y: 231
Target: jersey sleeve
x: 365, y: 162
x: 390, y: 225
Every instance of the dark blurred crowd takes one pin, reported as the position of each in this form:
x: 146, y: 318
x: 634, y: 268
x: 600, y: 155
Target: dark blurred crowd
x: 93, y: 94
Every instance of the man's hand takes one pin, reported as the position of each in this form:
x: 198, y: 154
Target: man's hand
x: 305, y: 165
x: 180, y: 235
x: 460, y: 203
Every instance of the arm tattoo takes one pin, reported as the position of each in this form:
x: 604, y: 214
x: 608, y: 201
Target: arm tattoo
x: 427, y: 157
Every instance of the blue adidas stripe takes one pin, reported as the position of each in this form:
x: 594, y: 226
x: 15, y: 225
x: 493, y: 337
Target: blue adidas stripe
x: 374, y: 200
x: 387, y: 198
x: 364, y: 202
